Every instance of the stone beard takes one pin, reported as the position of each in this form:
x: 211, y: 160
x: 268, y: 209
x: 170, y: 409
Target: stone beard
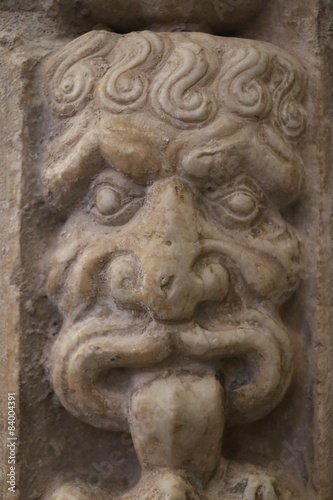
x: 176, y: 160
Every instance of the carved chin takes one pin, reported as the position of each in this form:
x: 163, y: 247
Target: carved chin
x: 96, y: 364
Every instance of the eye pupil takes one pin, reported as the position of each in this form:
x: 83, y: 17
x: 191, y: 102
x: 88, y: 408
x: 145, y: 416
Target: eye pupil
x: 241, y: 204
x: 107, y: 201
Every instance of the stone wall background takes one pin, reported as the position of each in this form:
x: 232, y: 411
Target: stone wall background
x: 51, y: 441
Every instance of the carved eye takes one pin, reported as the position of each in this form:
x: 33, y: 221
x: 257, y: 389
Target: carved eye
x: 237, y: 205
x: 115, y: 204
x: 241, y: 205
x: 108, y: 201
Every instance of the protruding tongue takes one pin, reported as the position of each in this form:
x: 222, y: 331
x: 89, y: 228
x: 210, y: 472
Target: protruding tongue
x: 177, y: 422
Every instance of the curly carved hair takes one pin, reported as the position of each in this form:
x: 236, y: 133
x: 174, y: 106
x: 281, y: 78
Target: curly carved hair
x: 187, y: 78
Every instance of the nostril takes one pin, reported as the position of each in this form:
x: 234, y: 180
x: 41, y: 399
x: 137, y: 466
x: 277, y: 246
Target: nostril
x: 168, y: 243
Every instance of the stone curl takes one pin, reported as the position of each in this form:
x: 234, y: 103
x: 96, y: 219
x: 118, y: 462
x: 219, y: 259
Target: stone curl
x: 72, y: 73
x: 125, y: 84
x: 181, y: 77
x: 260, y: 83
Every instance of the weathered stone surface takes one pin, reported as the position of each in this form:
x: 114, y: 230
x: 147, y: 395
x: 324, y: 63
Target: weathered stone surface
x: 167, y: 259
x: 213, y: 16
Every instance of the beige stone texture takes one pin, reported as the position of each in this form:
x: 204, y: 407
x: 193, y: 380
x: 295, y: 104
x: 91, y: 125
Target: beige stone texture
x: 166, y: 251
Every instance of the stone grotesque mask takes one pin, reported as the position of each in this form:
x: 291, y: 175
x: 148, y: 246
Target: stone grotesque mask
x: 175, y: 164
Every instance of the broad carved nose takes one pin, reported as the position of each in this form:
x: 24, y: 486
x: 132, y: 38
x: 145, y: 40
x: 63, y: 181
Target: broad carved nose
x: 166, y: 273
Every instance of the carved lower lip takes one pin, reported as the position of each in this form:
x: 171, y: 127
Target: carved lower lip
x: 91, y: 350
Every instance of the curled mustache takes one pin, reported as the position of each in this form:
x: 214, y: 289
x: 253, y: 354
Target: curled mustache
x: 95, y: 348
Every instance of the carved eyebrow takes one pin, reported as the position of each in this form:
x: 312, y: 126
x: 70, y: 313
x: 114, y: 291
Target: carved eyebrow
x: 254, y: 151
x: 195, y: 151
x: 132, y: 150
x: 70, y: 163
x: 79, y: 156
x: 216, y: 160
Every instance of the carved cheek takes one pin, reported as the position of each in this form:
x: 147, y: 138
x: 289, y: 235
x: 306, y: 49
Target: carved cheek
x: 284, y: 250
x: 266, y: 275
x: 65, y: 254
x: 124, y: 277
x: 269, y: 267
x: 75, y: 268
x: 260, y: 272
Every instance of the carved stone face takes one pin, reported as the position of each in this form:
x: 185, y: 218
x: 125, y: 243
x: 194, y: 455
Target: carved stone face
x: 175, y: 255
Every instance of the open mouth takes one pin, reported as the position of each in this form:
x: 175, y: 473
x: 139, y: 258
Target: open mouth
x: 96, y: 364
